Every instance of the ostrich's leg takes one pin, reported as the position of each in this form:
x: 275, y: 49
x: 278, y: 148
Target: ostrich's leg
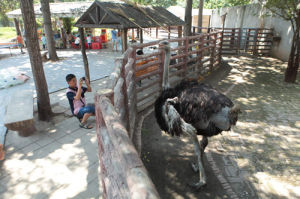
x: 203, y: 144
x: 199, y: 149
x: 192, y: 132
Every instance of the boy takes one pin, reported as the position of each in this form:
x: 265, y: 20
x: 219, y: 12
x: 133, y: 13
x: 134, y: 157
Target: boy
x: 44, y: 41
x: 20, y: 43
x: 89, y: 41
x: 77, y: 41
x: 77, y: 102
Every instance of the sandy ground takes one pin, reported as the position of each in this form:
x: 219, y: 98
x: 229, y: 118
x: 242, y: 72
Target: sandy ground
x: 259, y: 158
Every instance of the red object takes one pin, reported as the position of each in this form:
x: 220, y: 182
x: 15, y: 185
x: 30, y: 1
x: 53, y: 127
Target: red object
x: 86, y: 45
x: 96, y: 45
x: 102, y: 38
x: 73, y: 45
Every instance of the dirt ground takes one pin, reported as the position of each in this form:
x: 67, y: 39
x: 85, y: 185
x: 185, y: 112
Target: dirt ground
x: 259, y: 158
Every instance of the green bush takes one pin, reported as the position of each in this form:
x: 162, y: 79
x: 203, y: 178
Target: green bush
x: 7, y: 33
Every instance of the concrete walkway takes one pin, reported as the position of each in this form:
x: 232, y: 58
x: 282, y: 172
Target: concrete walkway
x: 258, y: 158
x: 101, y: 64
x: 59, y: 161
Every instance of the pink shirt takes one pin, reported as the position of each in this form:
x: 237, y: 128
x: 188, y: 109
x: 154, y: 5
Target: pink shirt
x: 77, y: 103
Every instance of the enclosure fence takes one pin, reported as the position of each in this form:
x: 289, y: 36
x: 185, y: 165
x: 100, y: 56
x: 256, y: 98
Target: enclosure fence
x: 257, y: 41
x: 132, y: 90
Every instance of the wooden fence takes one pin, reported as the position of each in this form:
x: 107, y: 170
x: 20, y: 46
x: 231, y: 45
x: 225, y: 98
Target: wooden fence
x: 258, y: 41
x: 132, y: 90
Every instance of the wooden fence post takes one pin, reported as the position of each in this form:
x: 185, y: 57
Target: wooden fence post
x: 255, y: 42
x: 201, y: 52
x: 239, y: 41
x: 186, y: 51
x: 220, y: 48
x: 124, y: 91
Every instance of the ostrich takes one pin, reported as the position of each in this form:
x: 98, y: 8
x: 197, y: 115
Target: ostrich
x: 193, y: 109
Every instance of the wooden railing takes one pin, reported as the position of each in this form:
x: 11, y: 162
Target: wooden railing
x: 131, y: 92
x: 258, y: 41
x: 231, y: 38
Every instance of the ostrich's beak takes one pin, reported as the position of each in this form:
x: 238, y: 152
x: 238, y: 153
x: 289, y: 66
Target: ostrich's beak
x: 235, y: 109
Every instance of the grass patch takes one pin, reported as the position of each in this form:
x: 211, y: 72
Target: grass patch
x: 7, y: 33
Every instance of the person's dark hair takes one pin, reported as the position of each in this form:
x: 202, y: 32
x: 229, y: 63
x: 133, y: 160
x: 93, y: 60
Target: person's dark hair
x: 139, y: 52
x: 69, y: 77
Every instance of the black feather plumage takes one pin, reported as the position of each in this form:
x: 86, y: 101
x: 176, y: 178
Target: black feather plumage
x: 195, y: 105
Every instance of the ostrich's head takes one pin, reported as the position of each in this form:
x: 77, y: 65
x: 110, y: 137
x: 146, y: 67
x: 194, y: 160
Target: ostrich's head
x: 233, y: 114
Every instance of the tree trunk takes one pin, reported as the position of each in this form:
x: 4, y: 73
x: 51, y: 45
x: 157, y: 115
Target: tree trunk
x: 293, y: 63
x: 124, y: 40
x: 63, y: 37
x: 17, y: 27
x: 200, y: 15
x: 83, y: 52
x: 188, y: 18
x: 141, y: 36
x: 48, y: 30
x: 43, y: 101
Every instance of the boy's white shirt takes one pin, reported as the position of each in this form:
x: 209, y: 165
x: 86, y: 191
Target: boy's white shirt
x: 89, y: 39
x: 77, y: 40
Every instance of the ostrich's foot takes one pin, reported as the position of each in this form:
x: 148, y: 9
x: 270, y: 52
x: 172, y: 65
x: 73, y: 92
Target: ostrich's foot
x: 195, y: 167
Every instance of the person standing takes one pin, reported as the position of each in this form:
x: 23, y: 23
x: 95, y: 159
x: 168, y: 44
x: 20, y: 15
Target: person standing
x: 44, y: 41
x: 89, y: 41
x: 114, y: 39
x: 20, y: 43
x: 77, y: 41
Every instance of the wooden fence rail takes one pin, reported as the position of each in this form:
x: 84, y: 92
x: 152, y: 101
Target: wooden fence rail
x: 131, y: 92
x: 258, y: 41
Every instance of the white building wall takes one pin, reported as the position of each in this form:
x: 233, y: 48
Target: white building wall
x: 250, y: 16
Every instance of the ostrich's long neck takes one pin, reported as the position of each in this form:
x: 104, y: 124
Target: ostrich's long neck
x: 165, y: 82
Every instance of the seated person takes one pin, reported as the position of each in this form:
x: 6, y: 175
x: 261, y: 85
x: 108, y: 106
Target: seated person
x: 77, y: 102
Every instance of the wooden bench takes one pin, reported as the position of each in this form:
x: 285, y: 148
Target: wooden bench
x: 3, y: 132
x: 19, y: 111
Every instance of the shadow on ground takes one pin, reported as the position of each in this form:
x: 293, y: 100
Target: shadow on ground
x: 263, y: 148
x: 59, y: 160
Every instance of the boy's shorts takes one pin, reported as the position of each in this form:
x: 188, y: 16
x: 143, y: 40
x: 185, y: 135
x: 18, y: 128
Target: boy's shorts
x: 86, y: 109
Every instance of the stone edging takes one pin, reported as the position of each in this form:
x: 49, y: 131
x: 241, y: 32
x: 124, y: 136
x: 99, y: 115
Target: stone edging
x: 226, y: 186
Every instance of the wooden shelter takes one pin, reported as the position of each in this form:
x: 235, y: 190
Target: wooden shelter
x: 125, y: 16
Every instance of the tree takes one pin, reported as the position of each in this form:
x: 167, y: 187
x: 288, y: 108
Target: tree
x: 43, y: 101
x: 162, y: 3
x: 45, y: 8
x: 288, y: 10
x: 200, y: 13
x: 188, y: 18
x: 68, y: 23
x: 6, y: 6
x: 213, y: 4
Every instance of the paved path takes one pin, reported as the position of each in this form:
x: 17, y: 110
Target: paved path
x: 101, y: 64
x: 59, y: 161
